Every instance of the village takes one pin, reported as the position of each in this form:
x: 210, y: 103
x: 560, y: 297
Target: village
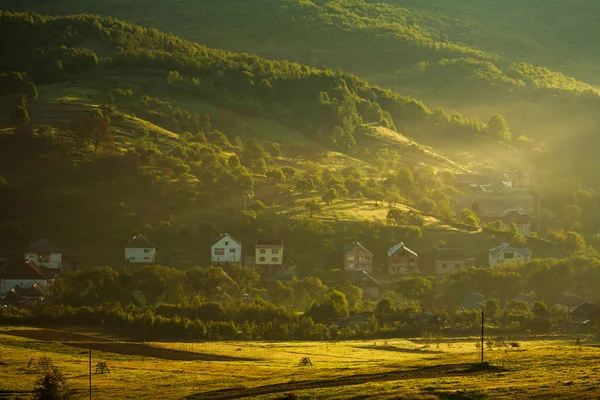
x: 499, y: 197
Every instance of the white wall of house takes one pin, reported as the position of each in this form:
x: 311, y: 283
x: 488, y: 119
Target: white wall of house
x: 507, y: 256
x: 269, y: 256
x: 140, y: 255
x: 52, y: 260
x: 7, y: 284
x: 445, y: 267
x: 226, y: 250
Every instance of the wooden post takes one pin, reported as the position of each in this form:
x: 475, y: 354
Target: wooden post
x: 482, y: 333
x: 90, y: 371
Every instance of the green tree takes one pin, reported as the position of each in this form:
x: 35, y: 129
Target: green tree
x: 19, y: 116
x: 312, y: 207
x: 53, y: 386
x: 329, y: 196
x: 492, y: 306
x: 499, y: 128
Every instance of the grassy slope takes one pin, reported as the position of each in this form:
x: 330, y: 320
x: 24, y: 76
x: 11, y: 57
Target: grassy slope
x: 526, y: 372
x: 475, y: 49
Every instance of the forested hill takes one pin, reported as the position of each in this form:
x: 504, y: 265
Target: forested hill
x: 326, y: 105
x: 532, y: 60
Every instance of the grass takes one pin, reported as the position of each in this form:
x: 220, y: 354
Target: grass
x: 537, y: 369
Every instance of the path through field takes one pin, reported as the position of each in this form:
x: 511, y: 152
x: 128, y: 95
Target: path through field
x: 421, y: 373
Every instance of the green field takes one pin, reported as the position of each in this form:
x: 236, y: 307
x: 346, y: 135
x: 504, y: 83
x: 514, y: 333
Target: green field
x: 386, y: 369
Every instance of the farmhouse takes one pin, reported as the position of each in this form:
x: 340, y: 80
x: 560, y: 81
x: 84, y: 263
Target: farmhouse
x: 268, y: 252
x: 586, y: 313
x: 472, y: 301
x: 226, y: 250
x: 26, y: 275
x: 44, y: 253
x: 519, y: 218
x: 506, y: 252
x: 402, y: 260
x: 448, y: 260
x: 357, y: 258
x: 23, y: 297
x: 140, y: 250
x: 368, y: 285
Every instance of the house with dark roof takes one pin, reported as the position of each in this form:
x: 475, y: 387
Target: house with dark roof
x: 568, y: 301
x: 26, y: 275
x: 519, y: 217
x: 402, y: 260
x: 226, y: 249
x: 524, y: 298
x: 44, y: 253
x: 23, y: 297
x: 448, y: 260
x: 357, y: 258
x: 472, y: 301
x: 368, y: 285
x: 586, y: 313
x: 139, y: 250
x: 506, y: 253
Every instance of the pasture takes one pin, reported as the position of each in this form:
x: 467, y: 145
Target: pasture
x: 384, y: 369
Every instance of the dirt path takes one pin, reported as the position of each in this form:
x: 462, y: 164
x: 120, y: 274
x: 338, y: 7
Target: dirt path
x: 421, y: 373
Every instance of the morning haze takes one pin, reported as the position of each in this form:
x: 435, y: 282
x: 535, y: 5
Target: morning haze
x: 296, y: 199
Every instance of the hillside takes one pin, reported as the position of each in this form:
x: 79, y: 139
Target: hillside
x: 182, y: 141
x: 515, y: 58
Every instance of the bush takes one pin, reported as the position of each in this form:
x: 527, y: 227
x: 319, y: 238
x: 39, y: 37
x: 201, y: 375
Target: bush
x: 53, y: 386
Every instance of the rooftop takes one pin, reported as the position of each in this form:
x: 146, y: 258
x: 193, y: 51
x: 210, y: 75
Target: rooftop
x: 354, y: 245
x: 42, y: 246
x: 224, y: 235
x: 269, y: 243
x: 507, y: 247
x: 140, y: 242
x: 392, y: 250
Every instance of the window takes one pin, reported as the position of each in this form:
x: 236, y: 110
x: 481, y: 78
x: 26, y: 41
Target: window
x: 226, y: 243
x: 146, y: 258
x: 43, y: 257
x: 275, y: 259
x: 509, y: 256
x: 232, y: 250
x: 146, y: 250
x: 132, y: 257
x: 350, y: 266
x: 350, y: 258
x: 275, y: 251
x: 261, y: 259
x: 262, y: 251
x: 219, y: 251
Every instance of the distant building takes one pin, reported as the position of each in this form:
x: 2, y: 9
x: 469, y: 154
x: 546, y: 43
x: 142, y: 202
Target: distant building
x: 569, y: 301
x: 368, y: 285
x: 357, y: 258
x: 449, y: 260
x: 517, y: 216
x: 268, y: 252
x: 226, y: 250
x: 44, y: 253
x: 26, y: 275
x: 507, y: 253
x: 402, y: 260
x: 520, y: 180
x: 472, y: 301
x: 140, y: 250
x: 23, y: 297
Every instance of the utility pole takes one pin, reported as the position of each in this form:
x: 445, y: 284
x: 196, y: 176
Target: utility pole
x: 90, y: 371
x: 482, y: 332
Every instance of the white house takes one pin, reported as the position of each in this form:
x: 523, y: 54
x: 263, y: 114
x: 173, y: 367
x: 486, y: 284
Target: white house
x: 25, y: 276
x: 226, y: 250
x: 268, y: 252
x: 44, y: 253
x: 507, y: 253
x: 140, y: 250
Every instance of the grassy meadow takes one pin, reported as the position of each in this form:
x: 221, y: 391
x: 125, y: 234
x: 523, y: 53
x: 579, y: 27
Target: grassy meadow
x: 386, y: 369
